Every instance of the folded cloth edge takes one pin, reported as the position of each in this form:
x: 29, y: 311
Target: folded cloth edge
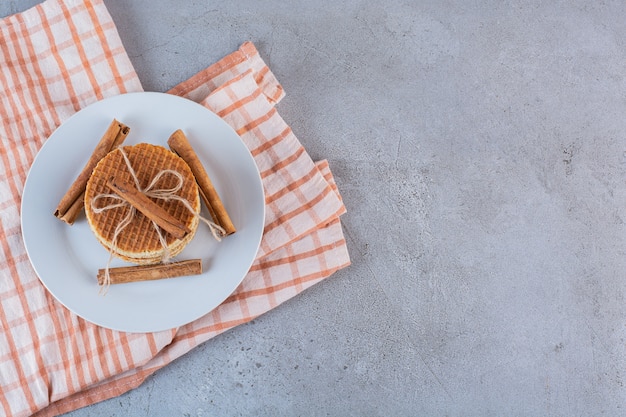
x: 195, y: 89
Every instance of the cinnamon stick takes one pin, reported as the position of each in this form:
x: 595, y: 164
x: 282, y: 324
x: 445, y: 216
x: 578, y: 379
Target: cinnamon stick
x: 151, y: 272
x: 149, y: 208
x: 72, y: 202
x: 179, y: 144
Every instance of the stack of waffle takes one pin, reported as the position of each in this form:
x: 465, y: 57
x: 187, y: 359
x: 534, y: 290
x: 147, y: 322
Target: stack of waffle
x: 139, y: 242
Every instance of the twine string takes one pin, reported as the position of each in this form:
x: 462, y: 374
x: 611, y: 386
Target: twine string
x: 166, y: 194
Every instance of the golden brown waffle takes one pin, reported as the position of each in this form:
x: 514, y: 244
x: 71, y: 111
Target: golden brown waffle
x: 139, y: 241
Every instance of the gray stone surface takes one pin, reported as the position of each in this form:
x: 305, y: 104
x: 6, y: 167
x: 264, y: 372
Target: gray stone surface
x: 480, y: 148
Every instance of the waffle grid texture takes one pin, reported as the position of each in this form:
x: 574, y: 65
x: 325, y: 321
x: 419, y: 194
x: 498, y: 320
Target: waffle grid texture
x: 139, y: 241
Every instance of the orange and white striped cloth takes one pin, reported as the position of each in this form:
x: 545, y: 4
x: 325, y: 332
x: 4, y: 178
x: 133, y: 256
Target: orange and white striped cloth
x: 61, y: 56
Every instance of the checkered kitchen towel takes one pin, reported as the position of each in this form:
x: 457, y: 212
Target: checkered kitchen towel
x: 61, y: 56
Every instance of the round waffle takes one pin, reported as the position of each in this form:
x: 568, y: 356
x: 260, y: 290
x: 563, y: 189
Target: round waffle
x: 139, y: 241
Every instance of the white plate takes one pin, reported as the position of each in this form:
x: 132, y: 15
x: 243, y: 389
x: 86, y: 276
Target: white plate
x: 67, y: 258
